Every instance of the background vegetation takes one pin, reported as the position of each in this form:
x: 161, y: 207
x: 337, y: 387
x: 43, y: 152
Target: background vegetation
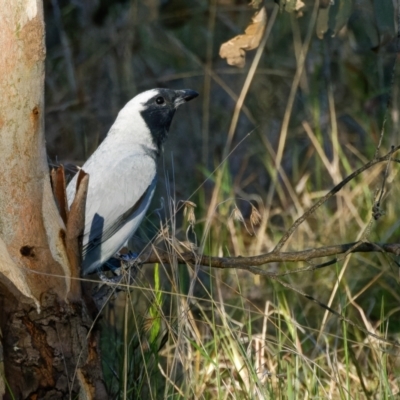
x: 314, y: 112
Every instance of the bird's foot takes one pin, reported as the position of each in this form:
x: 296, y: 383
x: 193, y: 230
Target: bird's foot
x: 129, y: 257
x: 114, y: 280
x: 122, y: 267
x: 129, y: 262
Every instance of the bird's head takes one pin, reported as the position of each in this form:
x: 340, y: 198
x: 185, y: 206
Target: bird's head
x: 157, y: 108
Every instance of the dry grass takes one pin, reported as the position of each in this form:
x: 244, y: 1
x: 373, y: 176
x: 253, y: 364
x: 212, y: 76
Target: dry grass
x: 271, y: 139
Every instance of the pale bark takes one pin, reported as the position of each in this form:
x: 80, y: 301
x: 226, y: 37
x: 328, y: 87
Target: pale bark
x: 30, y: 224
x: 50, y: 349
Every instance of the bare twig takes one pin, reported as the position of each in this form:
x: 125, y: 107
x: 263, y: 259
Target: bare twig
x: 251, y: 263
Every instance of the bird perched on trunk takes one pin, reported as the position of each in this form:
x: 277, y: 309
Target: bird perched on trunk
x: 123, y: 173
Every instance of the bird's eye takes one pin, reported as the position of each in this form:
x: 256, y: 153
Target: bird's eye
x: 160, y: 100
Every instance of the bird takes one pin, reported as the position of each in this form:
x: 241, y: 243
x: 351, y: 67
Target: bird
x: 123, y: 174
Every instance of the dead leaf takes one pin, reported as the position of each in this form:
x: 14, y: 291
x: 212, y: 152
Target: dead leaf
x: 235, y: 49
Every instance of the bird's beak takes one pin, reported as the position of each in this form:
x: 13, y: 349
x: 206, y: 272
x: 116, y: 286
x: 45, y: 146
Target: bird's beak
x: 184, y: 96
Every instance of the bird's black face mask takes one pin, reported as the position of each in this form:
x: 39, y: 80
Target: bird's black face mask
x: 160, y: 109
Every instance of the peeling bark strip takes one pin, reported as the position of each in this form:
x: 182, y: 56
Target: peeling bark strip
x: 59, y: 191
x: 74, y: 221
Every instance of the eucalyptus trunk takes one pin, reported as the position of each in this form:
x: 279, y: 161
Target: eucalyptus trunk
x: 50, y: 346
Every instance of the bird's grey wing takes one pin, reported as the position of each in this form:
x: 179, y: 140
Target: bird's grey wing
x: 115, y: 195
x: 100, y: 233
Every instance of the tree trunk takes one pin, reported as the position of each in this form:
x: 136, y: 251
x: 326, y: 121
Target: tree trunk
x: 49, y: 345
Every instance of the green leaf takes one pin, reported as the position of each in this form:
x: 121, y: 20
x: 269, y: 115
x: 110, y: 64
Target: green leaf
x: 155, y: 307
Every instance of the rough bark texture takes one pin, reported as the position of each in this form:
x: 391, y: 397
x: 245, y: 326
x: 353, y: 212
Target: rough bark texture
x: 54, y: 352
x: 49, y: 346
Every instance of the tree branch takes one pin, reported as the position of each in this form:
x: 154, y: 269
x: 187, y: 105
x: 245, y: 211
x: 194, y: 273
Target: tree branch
x: 250, y: 263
